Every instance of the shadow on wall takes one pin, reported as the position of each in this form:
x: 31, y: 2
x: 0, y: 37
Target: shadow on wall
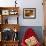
x: 37, y: 29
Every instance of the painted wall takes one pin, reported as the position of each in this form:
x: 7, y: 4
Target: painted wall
x: 27, y: 4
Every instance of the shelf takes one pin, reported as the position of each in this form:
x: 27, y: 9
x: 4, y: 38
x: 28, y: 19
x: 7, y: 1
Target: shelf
x: 11, y: 41
x: 11, y: 26
x: 9, y: 10
x: 6, y: 12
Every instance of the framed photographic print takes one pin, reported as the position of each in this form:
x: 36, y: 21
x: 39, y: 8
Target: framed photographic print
x: 5, y: 12
x: 13, y: 12
x: 29, y: 13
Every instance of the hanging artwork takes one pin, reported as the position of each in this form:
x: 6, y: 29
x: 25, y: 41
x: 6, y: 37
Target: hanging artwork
x: 5, y: 12
x: 29, y: 13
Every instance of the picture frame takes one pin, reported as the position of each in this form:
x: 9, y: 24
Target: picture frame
x: 5, y: 12
x: 29, y: 13
x: 13, y: 12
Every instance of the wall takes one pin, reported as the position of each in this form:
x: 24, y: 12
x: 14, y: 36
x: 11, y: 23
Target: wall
x: 27, y: 4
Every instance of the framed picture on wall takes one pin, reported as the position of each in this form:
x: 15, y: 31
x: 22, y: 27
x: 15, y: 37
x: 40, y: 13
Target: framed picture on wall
x: 29, y: 13
x: 5, y: 12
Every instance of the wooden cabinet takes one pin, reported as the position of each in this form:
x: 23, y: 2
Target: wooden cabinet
x: 9, y: 23
x: 8, y: 15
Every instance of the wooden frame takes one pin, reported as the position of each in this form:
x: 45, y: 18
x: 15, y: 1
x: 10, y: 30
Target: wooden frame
x: 29, y: 13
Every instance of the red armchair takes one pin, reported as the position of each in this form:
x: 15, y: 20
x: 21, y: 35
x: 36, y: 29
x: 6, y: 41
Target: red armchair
x: 30, y: 39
